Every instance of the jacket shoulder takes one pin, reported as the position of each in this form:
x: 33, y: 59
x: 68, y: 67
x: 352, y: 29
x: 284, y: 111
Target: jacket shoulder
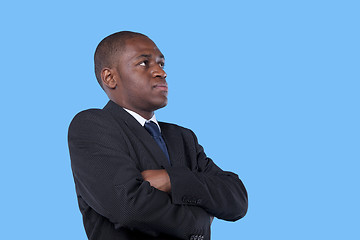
x: 92, y: 114
x: 171, y: 127
x: 90, y: 118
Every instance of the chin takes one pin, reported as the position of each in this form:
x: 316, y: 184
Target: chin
x: 161, y: 104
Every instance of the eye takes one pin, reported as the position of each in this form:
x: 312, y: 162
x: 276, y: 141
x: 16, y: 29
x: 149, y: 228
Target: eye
x: 143, y: 63
x: 162, y: 64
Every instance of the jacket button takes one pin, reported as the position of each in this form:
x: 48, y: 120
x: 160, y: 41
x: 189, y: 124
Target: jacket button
x: 194, y: 237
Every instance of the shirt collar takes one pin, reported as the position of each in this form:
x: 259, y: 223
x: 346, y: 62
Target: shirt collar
x: 142, y: 120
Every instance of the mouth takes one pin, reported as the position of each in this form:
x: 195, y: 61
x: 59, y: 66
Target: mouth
x: 161, y: 86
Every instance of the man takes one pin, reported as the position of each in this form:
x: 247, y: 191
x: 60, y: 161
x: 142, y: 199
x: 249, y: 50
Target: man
x: 135, y: 177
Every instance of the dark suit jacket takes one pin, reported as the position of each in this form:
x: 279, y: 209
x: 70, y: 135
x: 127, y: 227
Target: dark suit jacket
x: 109, y: 149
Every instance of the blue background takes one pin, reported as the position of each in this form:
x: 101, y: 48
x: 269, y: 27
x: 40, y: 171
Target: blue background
x: 280, y: 79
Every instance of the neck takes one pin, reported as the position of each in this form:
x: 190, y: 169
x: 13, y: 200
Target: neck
x: 145, y: 114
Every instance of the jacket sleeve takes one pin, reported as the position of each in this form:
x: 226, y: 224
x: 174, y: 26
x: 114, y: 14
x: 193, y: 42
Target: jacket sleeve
x: 110, y: 183
x: 222, y: 194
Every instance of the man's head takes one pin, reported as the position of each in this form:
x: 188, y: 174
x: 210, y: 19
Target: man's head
x: 129, y: 67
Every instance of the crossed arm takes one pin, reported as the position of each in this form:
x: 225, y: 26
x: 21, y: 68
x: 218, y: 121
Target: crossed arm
x: 204, y: 184
x: 160, y: 180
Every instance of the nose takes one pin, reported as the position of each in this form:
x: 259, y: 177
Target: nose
x: 159, y: 72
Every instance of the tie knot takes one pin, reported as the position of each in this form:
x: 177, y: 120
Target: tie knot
x: 152, y: 128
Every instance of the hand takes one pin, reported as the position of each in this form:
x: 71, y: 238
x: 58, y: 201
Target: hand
x: 159, y: 179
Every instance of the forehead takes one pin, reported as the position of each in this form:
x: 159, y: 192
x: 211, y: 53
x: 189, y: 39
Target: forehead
x: 135, y: 47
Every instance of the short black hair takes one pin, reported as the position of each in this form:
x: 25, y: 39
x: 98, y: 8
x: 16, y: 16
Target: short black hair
x: 108, y: 48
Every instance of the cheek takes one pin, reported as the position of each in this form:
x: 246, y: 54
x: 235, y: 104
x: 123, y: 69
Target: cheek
x: 141, y: 83
x: 139, y: 89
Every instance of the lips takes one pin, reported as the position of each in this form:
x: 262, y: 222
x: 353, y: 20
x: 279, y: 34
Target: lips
x: 161, y: 86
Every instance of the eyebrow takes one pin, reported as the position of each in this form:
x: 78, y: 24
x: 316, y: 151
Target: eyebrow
x: 149, y: 56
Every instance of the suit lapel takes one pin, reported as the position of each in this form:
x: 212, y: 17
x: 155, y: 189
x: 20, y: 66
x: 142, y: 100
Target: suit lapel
x: 138, y: 131
x: 174, y: 143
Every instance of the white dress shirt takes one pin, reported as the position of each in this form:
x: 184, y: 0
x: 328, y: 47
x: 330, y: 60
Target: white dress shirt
x: 142, y: 120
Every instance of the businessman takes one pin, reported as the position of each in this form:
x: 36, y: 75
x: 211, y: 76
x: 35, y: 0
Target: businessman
x: 137, y: 178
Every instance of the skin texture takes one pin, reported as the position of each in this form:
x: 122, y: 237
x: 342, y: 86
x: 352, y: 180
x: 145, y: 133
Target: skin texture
x: 137, y: 81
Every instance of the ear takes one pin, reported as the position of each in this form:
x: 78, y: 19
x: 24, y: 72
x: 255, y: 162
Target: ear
x: 107, y: 77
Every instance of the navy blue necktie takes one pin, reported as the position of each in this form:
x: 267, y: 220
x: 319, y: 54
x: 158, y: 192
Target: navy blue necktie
x: 154, y: 131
